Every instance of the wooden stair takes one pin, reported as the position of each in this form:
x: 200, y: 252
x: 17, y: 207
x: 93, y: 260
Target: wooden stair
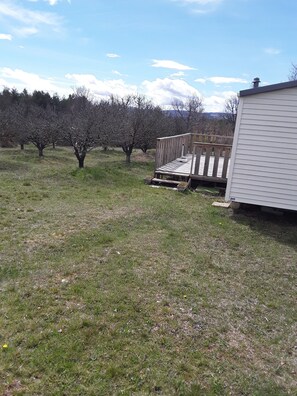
x: 181, y: 185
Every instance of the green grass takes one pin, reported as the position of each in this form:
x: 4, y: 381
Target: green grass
x: 111, y: 287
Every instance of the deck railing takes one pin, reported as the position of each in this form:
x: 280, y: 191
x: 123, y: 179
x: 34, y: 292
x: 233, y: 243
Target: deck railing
x: 210, y: 153
x: 210, y: 161
x: 172, y: 147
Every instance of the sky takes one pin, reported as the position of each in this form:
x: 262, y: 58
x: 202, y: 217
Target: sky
x: 167, y: 50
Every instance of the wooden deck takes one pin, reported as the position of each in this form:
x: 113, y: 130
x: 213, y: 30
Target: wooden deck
x: 193, y: 157
x: 184, y: 167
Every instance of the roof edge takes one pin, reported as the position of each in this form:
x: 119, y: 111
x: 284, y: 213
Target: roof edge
x: 268, y: 88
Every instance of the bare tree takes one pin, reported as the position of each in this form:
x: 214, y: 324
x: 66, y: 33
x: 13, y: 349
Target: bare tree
x: 293, y: 74
x: 39, y: 123
x: 81, y: 125
x: 154, y: 126
x: 130, y: 121
x: 7, y: 131
x: 231, y: 107
x: 188, y: 113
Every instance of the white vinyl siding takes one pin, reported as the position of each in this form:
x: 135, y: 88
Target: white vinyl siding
x: 263, y: 169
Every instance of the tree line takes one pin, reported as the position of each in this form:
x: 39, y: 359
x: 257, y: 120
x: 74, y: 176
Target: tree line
x: 83, y: 123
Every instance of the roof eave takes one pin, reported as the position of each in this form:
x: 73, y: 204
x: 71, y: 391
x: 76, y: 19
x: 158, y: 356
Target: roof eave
x: 268, y: 88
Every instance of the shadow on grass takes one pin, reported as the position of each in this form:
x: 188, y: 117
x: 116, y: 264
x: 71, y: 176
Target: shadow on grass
x: 281, y: 226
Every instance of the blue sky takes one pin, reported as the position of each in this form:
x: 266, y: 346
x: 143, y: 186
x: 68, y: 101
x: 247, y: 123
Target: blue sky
x: 165, y: 49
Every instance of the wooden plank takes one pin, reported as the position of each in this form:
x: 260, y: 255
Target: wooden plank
x: 217, y: 152
x: 209, y: 179
x: 213, y: 144
x: 226, y: 162
x: 192, y: 162
x: 207, y: 157
x: 165, y: 181
x: 221, y: 204
x: 174, y: 137
x: 198, y: 159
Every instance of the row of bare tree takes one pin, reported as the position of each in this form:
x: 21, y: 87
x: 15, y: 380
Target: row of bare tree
x: 78, y: 121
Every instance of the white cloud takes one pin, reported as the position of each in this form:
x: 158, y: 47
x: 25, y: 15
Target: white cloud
x: 111, y: 55
x: 54, y: 2
x: 26, y: 31
x: 161, y: 91
x: 222, y: 80
x: 50, y: 2
x: 19, y: 79
x: 102, y: 88
x: 201, y: 80
x: 28, y: 17
x: 23, y: 21
x: 117, y: 73
x: 177, y: 74
x: 199, y: 2
x: 4, y: 36
x: 164, y: 91
x: 216, y: 102
x: 272, y: 51
x: 169, y: 64
x: 200, y: 6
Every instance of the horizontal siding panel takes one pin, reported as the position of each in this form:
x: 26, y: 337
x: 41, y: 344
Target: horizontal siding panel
x: 265, y: 168
x: 266, y: 188
x: 260, y: 161
x: 267, y: 122
x: 281, y: 113
x: 262, y: 142
x: 290, y: 198
x: 268, y: 132
x: 268, y: 152
x: 257, y: 171
x: 267, y: 156
x: 255, y: 139
x: 264, y: 202
x: 261, y: 180
x: 286, y: 94
x: 269, y: 119
x: 265, y: 163
x: 270, y: 103
x: 266, y: 127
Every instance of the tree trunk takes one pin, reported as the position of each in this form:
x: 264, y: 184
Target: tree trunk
x: 54, y: 145
x: 128, y: 158
x: 81, y: 162
x: 40, y: 152
x: 128, y: 151
x: 22, y: 146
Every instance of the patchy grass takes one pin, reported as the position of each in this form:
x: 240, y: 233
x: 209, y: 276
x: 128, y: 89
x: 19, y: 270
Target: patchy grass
x: 110, y: 287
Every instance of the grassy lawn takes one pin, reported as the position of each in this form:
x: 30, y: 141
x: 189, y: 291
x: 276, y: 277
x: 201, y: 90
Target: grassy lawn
x: 111, y: 287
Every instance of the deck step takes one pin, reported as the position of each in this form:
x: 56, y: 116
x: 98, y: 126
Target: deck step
x: 165, y: 181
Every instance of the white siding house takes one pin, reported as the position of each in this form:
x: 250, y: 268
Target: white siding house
x: 263, y: 166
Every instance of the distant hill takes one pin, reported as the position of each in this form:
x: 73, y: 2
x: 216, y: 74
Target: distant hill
x: 208, y: 115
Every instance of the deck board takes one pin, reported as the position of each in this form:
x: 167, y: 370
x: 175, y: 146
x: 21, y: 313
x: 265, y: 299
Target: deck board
x: 183, y: 168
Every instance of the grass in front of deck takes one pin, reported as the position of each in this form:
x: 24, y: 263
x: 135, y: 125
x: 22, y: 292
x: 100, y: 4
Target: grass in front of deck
x: 111, y: 287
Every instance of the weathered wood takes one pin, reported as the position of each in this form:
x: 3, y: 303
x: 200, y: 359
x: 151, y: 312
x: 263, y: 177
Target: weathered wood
x: 170, y: 148
x: 192, y: 161
x: 207, y: 157
x: 165, y: 181
x: 226, y: 162
x: 221, y: 204
x: 209, y: 160
x: 217, y: 153
x: 198, y: 159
